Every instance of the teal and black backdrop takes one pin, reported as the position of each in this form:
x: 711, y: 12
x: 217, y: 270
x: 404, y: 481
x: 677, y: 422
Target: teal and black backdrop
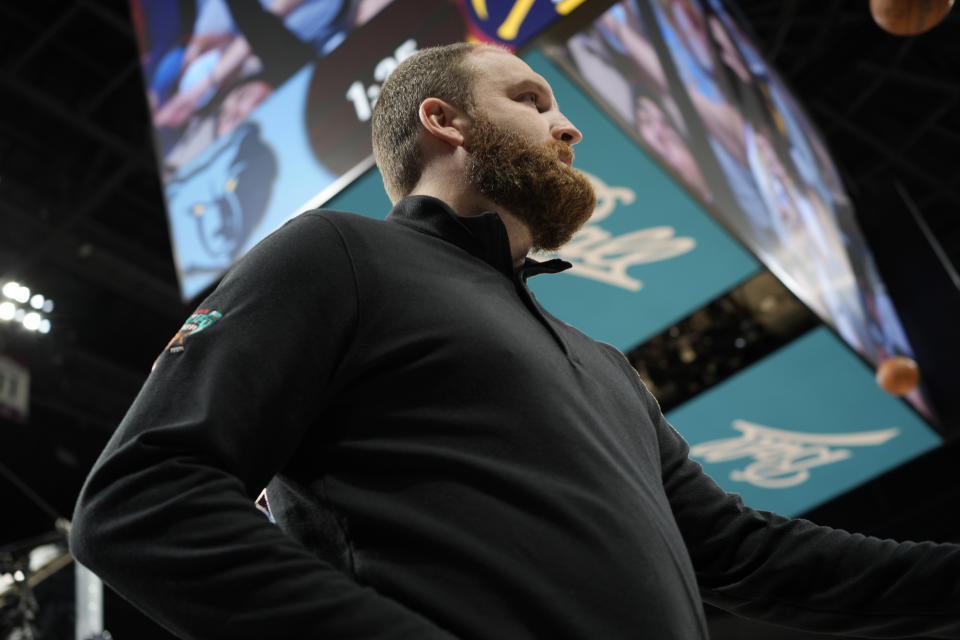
x: 803, y: 425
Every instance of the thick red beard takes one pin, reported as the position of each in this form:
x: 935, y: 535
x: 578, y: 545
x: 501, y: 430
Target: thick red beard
x: 530, y: 181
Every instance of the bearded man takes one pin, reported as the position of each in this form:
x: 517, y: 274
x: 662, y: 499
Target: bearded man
x: 446, y: 459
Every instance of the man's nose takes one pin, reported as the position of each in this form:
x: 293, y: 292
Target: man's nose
x: 565, y: 131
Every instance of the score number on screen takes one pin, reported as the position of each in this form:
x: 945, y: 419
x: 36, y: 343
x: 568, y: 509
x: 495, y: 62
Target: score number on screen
x: 364, y: 97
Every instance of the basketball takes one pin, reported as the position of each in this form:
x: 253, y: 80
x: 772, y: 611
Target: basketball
x: 898, y: 375
x: 909, y: 17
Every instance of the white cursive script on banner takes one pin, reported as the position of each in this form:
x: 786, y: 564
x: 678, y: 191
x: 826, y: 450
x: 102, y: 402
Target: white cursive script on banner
x: 597, y: 254
x: 784, y: 458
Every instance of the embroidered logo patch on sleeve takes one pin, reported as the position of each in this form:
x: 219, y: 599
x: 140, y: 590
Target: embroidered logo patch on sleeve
x: 200, y: 320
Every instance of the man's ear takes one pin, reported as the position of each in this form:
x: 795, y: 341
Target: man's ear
x: 443, y: 121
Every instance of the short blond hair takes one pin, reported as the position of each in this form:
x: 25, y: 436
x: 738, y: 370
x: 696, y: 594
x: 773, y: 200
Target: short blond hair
x: 434, y: 72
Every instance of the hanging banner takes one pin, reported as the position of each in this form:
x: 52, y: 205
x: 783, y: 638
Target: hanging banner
x: 800, y: 427
x: 14, y: 390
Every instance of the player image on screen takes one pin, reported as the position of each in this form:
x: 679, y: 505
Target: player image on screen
x: 215, y: 207
x: 614, y: 56
x: 728, y: 130
x: 209, y: 63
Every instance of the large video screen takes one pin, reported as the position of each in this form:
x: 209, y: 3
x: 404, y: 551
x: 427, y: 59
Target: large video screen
x: 682, y: 78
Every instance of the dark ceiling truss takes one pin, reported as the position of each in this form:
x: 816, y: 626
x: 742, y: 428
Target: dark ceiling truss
x: 120, y: 23
x: 88, y: 173
x: 944, y: 101
x: 826, y: 22
x: 788, y: 9
x: 890, y: 154
x: 76, y: 213
x: 108, y: 269
x: 77, y: 116
x: 934, y: 242
x: 124, y: 76
x: 81, y: 246
x: 9, y: 82
x: 912, y: 138
x: 877, y: 79
x: 950, y: 89
x: 97, y: 174
x: 47, y: 36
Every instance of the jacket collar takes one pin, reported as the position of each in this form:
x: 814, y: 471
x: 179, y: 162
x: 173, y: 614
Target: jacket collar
x: 483, y: 236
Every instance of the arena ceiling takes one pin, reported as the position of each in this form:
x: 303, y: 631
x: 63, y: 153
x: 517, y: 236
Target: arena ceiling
x: 82, y: 218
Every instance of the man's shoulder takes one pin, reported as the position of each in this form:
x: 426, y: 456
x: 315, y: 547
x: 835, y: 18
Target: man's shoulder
x: 320, y: 218
x: 316, y: 236
x: 322, y: 227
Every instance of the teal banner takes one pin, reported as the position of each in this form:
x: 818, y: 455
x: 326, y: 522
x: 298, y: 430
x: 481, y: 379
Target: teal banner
x: 800, y: 427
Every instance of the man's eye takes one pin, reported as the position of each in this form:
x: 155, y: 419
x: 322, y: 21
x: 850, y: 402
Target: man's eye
x: 531, y: 98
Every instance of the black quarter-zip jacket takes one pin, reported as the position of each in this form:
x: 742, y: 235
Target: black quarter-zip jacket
x: 445, y: 459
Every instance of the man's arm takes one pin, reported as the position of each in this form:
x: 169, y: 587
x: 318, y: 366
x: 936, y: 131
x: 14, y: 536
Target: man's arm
x: 792, y: 572
x: 167, y: 515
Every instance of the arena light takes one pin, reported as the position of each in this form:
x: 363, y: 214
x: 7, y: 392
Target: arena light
x: 31, y: 321
x: 26, y: 308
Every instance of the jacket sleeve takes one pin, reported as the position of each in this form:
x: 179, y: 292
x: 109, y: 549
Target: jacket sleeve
x: 167, y: 515
x: 794, y: 573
